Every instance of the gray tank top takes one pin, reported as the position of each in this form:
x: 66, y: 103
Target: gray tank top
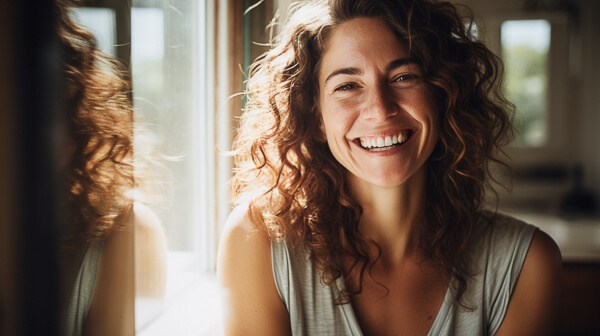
x: 82, y: 280
x: 498, y: 254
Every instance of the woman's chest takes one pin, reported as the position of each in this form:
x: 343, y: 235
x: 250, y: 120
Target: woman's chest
x: 407, y: 305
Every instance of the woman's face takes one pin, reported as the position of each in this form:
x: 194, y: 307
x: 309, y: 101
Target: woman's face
x: 378, y: 115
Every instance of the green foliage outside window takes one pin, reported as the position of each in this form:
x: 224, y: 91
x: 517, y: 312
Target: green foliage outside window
x: 526, y: 65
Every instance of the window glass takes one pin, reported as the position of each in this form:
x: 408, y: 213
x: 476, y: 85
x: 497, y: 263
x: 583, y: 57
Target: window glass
x: 169, y: 75
x: 525, y: 52
x: 173, y: 148
x: 101, y: 22
x: 147, y: 53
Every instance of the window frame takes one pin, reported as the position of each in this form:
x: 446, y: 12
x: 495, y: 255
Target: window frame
x: 559, y: 144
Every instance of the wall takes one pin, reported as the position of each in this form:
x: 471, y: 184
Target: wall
x: 582, y: 112
x: 588, y: 93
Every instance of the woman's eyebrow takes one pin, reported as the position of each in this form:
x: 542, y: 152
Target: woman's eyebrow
x: 356, y: 71
x: 344, y: 71
x: 400, y: 62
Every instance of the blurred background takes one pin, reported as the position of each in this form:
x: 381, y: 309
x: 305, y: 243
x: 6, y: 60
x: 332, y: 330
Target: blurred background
x: 550, y: 50
x: 187, y: 61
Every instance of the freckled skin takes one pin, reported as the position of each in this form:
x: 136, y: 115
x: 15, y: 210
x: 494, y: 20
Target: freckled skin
x: 372, y: 97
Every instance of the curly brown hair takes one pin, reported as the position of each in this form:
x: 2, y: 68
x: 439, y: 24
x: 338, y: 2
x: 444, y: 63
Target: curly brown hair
x: 98, y: 173
x: 296, y: 188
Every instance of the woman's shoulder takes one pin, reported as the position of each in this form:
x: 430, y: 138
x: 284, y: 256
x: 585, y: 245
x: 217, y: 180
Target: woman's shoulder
x: 539, y: 249
x: 244, y: 246
x: 530, y: 263
x: 245, y: 275
x: 145, y: 217
x: 500, y: 228
x: 150, y: 252
x: 499, y: 246
x: 503, y: 235
x: 504, y: 229
x: 243, y: 233
x: 509, y: 253
x: 500, y: 218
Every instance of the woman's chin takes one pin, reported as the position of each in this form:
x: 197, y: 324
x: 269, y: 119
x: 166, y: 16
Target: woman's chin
x: 388, y: 178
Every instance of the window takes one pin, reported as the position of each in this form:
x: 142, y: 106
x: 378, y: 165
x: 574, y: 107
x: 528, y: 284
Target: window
x: 102, y: 23
x: 525, y: 51
x: 169, y: 75
x: 175, y: 143
x: 535, y: 50
x: 185, y: 57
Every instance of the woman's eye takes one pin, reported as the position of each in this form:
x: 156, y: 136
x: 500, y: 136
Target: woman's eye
x: 405, y: 77
x: 345, y: 87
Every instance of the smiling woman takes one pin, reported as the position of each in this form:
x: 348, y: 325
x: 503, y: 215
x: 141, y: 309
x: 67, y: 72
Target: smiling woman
x: 362, y: 157
x: 372, y: 97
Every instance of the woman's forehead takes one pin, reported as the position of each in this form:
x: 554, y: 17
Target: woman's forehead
x: 362, y: 40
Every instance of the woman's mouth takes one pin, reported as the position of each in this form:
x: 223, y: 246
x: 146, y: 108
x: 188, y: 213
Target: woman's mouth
x: 384, y: 143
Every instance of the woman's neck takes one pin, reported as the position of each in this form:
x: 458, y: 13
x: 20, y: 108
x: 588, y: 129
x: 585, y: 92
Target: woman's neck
x: 393, y: 216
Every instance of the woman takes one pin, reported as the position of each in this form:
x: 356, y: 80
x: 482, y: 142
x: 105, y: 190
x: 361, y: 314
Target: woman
x: 362, y: 159
x: 107, y: 235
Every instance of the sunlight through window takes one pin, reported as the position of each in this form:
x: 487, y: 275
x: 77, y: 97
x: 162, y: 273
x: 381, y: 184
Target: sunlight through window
x: 525, y: 51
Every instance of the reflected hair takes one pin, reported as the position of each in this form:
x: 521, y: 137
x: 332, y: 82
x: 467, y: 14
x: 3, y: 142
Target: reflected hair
x: 297, y: 190
x: 99, y: 172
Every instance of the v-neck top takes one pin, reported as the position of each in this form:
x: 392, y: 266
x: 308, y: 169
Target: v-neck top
x: 497, y: 253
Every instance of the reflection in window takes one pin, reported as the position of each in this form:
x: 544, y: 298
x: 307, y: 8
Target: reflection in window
x: 168, y: 68
x: 168, y: 74
x: 147, y: 53
x: 101, y: 22
x: 525, y: 51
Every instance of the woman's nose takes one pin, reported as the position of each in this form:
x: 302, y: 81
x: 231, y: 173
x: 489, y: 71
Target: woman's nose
x: 379, y: 105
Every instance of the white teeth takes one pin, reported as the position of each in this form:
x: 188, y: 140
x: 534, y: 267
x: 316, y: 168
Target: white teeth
x: 376, y: 144
x: 401, y: 138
